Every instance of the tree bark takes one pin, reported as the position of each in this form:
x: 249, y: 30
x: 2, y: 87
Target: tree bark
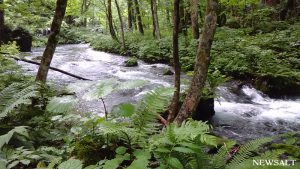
x: 202, y: 63
x: 155, y: 19
x: 52, y: 40
x: 139, y: 17
x: 174, y: 107
x: 129, y: 10
x: 121, y: 24
x: 1, y: 15
x: 110, y: 21
x: 194, y: 18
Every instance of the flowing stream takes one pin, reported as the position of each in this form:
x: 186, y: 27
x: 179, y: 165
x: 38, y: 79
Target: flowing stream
x: 242, y: 115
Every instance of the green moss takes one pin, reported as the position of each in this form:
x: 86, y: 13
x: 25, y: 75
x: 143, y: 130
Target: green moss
x: 289, y: 149
x: 132, y: 62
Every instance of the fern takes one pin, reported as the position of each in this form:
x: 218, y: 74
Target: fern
x: 245, y: 152
x: 10, y: 97
x: 145, y: 117
x: 62, y: 104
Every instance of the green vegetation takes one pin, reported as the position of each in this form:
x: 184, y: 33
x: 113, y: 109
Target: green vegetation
x: 41, y: 127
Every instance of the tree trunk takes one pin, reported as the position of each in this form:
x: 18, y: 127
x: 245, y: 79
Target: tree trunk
x: 1, y: 15
x: 139, y: 17
x: 174, y: 107
x: 129, y: 10
x: 202, y: 63
x: 110, y: 21
x: 155, y: 19
x: 121, y: 24
x: 194, y: 18
x: 52, y: 40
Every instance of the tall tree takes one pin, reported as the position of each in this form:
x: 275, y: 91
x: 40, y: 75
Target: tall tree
x: 84, y: 8
x: 174, y: 107
x: 194, y: 18
x: 1, y: 14
x: 156, y: 30
x: 129, y: 10
x: 202, y: 63
x: 139, y: 17
x: 121, y: 24
x: 110, y: 21
x: 60, y: 10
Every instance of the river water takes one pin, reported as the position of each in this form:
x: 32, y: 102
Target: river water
x: 242, y: 115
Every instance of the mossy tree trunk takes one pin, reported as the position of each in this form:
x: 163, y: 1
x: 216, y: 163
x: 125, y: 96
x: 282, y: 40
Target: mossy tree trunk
x: 202, y: 63
x: 121, y: 24
x: 52, y: 41
x: 174, y: 107
x: 129, y: 10
x: 194, y: 18
x: 1, y: 14
x: 139, y: 17
x: 156, y: 30
x: 110, y: 21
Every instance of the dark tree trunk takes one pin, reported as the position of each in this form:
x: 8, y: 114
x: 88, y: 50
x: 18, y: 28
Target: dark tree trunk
x: 52, y: 40
x: 1, y: 15
x: 129, y: 10
x: 84, y: 8
x: 110, y: 21
x: 174, y: 107
x: 202, y: 63
x: 155, y: 19
x: 121, y: 24
x: 194, y: 18
x: 139, y: 17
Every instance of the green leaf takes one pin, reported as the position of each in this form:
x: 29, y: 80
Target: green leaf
x: 102, y: 89
x: 121, y: 150
x: 174, y: 163
x: 133, y: 84
x: 184, y: 150
x: 71, y: 164
x: 114, y: 163
x: 4, y: 139
x: 62, y: 104
x: 141, y: 161
x: 123, y: 110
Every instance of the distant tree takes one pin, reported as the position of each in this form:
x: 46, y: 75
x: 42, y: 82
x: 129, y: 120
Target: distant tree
x: 121, y: 24
x: 130, y: 14
x: 174, y: 107
x: 110, y: 20
x: 60, y: 10
x: 139, y: 17
x: 156, y: 30
x: 194, y: 18
x: 1, y: 14
x: 202, y: 63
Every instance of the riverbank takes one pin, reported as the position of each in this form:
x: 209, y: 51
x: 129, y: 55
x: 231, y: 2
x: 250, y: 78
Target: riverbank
x: 268, y: 59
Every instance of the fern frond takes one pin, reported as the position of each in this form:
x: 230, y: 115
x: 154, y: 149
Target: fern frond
x: 62, y: 104
x: 18, y: 98
x: 133, y: 84
x: 219, y: 160
x: 101, y: 90
x: 145, y: 117
x: 4, y: 139
x: 246, y: 150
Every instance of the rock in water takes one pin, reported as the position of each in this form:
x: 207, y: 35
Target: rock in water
x: 20, y: 35
x: 168, y: 72
x: 132, y: 62
x: 205, y: 110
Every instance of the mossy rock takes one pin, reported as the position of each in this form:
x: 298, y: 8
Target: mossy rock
x: 168, y: 72
x: 132, y: 62
x: 289, y: 149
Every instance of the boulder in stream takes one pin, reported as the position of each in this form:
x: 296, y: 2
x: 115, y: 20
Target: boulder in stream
x: 132, y: 62
x: 21, y: 36
x: 168, y: 72
x: 205, y: 110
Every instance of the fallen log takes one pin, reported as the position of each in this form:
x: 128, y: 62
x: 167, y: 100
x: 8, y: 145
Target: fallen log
x: 52, y: 68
